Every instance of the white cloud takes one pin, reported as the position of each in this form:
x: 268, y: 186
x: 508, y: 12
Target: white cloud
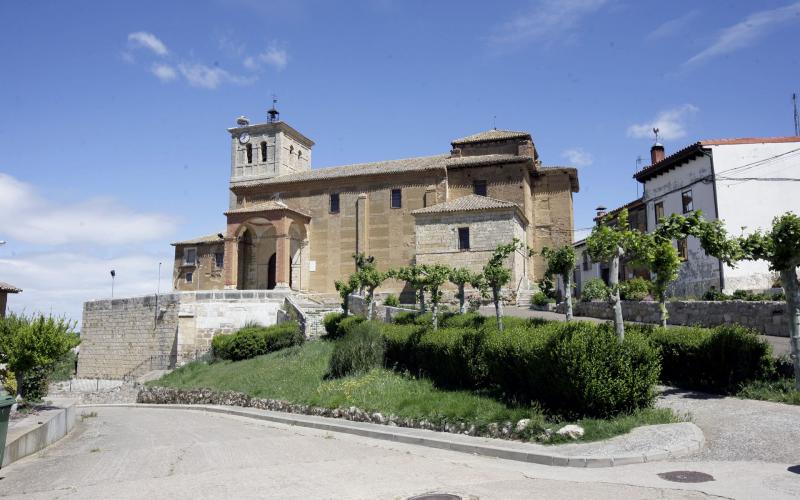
x: 148, y: 41
x: 671, y: 123
x: 673, y: 26
x: 748, y: 31
x: 164, y: 72
x: 578, y: 157
x: 29, y: 217
x: 59, y: 282
x: 546, y: 20
x: 208, y: 77
x: 274, y: 56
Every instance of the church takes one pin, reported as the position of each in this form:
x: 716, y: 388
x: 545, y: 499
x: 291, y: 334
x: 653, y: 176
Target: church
x: 295, y: 228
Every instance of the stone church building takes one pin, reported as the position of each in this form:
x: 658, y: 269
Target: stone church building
x: 291, y: 226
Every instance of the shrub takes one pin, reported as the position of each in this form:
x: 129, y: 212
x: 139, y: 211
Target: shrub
x: 590, y: 373
x: 451, y: 356
x: 391, y: 301
x: 634, y: 289
x: 347, y: 324
x: 400, y: 341
x: 594, y: 289
x: 541, y: 299
x: 718, y: 359
x: 405, y: 318
x: 331, y: 322
x: 359, y: 351
x: 35, y: 384
x: 250, y: 342
x: 715, y: 295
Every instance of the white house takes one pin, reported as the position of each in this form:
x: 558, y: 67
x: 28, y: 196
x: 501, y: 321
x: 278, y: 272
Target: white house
x: 744, y: 182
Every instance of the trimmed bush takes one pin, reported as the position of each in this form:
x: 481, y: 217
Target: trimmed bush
x: 718, y: 359
x: 331, y: 322
x: 359, y: 351
x: 391, y: 301
x: 594, y: 289
x: 634, y: 289
x: 451, y: 356
x: 400, y: 341
x: 405, y: 318
x: 541, y: 299
x: 337, y: 325
x: 250, y: 342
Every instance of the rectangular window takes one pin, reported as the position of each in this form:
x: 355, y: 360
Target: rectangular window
x: 219, y: 260
x: 686, y: 198
x: 479, y: 188
x: 659, y: 211
x: 397, y: 198
x: 335, y: 203
x: 189, y: 277
x: 683, y: 249
x: 463, y: 238
x: 585, y: 261
x: 190, y: 256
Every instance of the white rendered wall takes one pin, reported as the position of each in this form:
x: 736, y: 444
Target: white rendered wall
x: 753, y: 204
x: 700, y: 271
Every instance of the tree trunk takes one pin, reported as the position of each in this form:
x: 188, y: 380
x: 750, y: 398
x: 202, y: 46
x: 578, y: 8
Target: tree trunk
x: 435, y: 311
x: 792, y: 288
x: 616, y: 303
x: 20, y: 385
x: 462, y: 300
x: 422, y: 308
x: 498, y: 307
x: 568, y: 295
x: 370, y: 304
x: 662, y: 306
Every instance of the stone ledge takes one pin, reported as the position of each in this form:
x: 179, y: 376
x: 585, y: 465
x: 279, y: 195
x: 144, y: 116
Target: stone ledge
x: 35, y: 434
x: 643, y: 444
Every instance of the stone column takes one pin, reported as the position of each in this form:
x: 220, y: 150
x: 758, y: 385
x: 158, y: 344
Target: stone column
x: 282, y: 248
x: 362, y: 224
x: 430, y: 196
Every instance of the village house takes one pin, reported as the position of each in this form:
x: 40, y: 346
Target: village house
x: 294, y: 227
x: 744, y: 182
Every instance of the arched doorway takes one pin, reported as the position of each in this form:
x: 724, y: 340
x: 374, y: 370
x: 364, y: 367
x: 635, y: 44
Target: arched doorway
x: 271, y: 271
x: 257, y: 259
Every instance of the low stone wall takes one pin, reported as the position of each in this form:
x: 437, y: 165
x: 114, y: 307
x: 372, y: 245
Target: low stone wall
x: 128, y: 337
x: 40, y: 431
x: 768, y: 318
x: 358, y: 305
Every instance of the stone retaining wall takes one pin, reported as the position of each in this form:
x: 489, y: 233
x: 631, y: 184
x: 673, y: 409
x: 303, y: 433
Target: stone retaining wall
x: 768, y: 318
x: 358, y: 305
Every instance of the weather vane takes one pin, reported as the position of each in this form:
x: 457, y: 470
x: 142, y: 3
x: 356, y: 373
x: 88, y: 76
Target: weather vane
x: 655, y: 131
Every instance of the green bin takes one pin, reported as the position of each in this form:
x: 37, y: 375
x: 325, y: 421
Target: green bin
x: 6, y: 402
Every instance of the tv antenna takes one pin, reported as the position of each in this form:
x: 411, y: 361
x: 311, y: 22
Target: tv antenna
x: 638, y: 167
x: 796, y: 116
x: 494, y: 121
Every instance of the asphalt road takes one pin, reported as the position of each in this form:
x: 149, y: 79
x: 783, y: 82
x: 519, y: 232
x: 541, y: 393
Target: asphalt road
x: 164, y: 453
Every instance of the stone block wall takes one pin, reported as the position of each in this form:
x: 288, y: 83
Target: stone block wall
x: 358, y: 305
x: 769, y: 318
x: 119, y: 335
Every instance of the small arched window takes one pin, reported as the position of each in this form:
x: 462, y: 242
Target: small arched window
x: 263, y: 151
x: 291, y: 149
x: 299, y: 153
x: 249, y: 153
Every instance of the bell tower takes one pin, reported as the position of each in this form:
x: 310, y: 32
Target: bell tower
x: 266, y: 150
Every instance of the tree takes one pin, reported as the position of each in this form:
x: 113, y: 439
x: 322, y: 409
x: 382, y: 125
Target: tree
x: 369, y: 278
x: 363, y: 261
x: 780, y: 247
x: 345, y: 288
x: 436, y: 275
x: 664, y: 262
x: 608, y: 243
x: 415, y: 278
x: 38, y: 342
x: 561, y: 261
x: 460, y: 277
x: 496, y: 275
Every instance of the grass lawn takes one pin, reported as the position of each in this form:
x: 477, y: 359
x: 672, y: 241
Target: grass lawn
x: 297, y: 375
x: 779, y: 391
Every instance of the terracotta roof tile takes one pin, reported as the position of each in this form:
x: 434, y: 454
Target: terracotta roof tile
x: 470, y: 203
x: 209, y: 238
x: 491, y: 135
x: 7, y: 288
x: 265, y: 206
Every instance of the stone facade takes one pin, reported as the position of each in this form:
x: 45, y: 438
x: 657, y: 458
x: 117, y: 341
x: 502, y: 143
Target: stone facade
x: 768, y: 318
x: 291, y: 226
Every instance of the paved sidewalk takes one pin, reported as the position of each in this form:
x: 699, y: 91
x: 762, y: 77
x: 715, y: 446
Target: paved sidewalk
x: 780, y: 345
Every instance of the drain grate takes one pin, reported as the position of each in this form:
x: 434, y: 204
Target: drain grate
x: 436, y: 496
x: 686, y: 476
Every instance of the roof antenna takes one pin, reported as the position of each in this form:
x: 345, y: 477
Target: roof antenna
x: 273, y: 113
x: 494, y: 122
x: 796, y: 116
x: 638, y: 167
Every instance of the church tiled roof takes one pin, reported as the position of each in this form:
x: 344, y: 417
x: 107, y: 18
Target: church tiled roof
x: 209, y: 238
x: 491, y: 135
x: 419, y: 164
x: 7, y: 288
x: 469, y: 203
x: 264, y: 206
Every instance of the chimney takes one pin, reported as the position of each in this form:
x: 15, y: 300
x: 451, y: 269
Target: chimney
x: 656, y: 153
x: 601, y: 211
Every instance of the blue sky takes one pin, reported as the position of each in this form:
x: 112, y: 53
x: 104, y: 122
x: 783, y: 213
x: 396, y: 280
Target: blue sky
x: 113, y: 116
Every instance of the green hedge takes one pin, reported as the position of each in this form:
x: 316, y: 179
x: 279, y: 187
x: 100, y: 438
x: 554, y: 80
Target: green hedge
x: 253, y: 341
x: 360, y: 350
x: 718, y: 359
x: 337, y: 325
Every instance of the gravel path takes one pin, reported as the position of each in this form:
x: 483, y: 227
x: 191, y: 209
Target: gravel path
x: 739, y: 429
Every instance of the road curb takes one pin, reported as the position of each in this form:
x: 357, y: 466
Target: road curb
x: 51, y: 426
x: 692, y: 442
